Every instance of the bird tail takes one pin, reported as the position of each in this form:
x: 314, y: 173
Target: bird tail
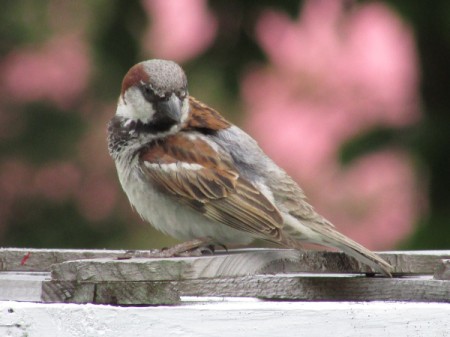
x: 325, y: 234
x: 359, y: 252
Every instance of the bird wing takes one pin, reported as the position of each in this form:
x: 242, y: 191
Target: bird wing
x: 287, y: 193
x: 186, y: 166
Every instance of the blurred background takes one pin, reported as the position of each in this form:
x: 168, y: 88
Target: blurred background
x: 350, y: 97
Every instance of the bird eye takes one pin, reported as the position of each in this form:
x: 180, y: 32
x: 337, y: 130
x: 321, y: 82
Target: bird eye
x: 148, y: 93
x: 181, y: 94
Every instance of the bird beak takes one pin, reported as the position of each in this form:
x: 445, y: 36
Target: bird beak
x: 169, y: 111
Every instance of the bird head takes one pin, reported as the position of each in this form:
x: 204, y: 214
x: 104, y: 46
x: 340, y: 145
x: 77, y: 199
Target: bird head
x: 154, y: 97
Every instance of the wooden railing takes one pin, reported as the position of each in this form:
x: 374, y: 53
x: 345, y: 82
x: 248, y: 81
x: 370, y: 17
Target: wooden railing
x: 105, y: 277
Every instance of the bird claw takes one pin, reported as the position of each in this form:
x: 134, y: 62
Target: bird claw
x: 192, y: 248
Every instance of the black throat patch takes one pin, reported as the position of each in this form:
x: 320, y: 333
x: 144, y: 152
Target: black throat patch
x: 121, y: 131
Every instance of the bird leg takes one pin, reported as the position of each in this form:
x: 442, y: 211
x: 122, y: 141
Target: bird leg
x: 195, y: 247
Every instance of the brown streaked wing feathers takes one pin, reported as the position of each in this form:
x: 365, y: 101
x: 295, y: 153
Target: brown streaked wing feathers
x: 203, y: 117
x: 216, y: 188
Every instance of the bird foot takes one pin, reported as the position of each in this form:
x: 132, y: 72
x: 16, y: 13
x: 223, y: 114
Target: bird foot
x: 196, y: 247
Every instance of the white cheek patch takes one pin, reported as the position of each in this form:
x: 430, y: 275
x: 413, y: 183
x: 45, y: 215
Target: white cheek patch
x: 135, y: 107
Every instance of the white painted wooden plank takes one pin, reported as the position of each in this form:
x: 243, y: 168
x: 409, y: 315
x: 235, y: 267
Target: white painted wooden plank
x: 22, y: 286
x: 241, y: 318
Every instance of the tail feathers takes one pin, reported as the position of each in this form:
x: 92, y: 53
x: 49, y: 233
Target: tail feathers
x: 364, y: 255
x: 354, y: 249
x: 326, y: 235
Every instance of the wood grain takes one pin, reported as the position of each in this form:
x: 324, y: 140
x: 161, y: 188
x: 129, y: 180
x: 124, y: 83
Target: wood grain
x: 115, y: 293
x: 136, y: 293
x: 405, y: 262
x: 322, y: 288
x: 67, y: 292
x: 144, y: 269
x: 24, y: 259
x: 443, y: 270
x: 237, y: 263
x: 294, y: 287
x: 275, y: 274
x: 273, y: 287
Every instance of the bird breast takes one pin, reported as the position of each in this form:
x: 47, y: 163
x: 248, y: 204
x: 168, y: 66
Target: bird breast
x: 167, y: 214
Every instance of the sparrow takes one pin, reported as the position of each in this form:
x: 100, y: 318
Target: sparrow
x: 192, y: 174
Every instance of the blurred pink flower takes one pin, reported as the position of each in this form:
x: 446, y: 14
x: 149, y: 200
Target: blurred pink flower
x: 375, y: 200
x: 333, y: 74
x: 179, y: 30
x: 366, y: 55
x: 58, y: 71
x: 58, y: 181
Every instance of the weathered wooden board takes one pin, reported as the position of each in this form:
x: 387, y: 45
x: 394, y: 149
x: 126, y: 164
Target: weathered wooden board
x: 24, y: 259
x: 275, y: 274
x: 37, y: 287
x: 144, y: 269
x: 305, y: 287
x: 414, y: 262
x: 321, y: 288
x: 272, y: 287
x: 405, y: 262
x: 136, y: 293
x: 67, y: 292
x: 116, y: 293
x: 443, y: 270
x: 237, y: 263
